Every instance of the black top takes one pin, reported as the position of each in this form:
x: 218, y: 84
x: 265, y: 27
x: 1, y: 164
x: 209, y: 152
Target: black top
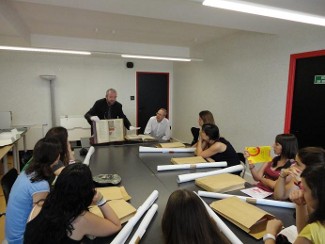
x: 104, y: 111
x: 230, y: 155
x: 32, y: 229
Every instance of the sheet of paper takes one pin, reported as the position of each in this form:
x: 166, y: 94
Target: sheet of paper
x: 256, y: 192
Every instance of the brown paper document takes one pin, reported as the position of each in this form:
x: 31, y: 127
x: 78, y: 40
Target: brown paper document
x: 188, y: 160
x: 176, y: 144
x: 221, y: 183
x: 249, y: 218
x: 123, y: 210
x: 114, y: 193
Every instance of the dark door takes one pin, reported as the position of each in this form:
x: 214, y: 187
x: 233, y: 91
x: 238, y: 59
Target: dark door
x: 307, y: 120
x: 152, y: 94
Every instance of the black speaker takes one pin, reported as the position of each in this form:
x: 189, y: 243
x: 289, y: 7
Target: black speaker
x: 129, y: 65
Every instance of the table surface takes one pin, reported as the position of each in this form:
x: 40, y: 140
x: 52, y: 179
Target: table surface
x: 140, y: 177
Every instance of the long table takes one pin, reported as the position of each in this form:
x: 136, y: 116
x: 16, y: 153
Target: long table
x: 140, y: 177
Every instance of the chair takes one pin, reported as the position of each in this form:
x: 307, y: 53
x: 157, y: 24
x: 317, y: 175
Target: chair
x: 242, y: 162
x: 7, y: 181
x: 195, y: 132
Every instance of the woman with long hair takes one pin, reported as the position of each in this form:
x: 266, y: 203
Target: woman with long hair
x: 205, y: 117
x: 64, y: 215
x: 285, y: 147
x: 311, y: 196
x: 31, y: 186
x: 186, y: 220
x: 289, y: 179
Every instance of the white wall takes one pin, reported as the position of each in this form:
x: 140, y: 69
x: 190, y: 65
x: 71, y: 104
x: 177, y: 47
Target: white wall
x: 81, y: 80
x: 243, y: 82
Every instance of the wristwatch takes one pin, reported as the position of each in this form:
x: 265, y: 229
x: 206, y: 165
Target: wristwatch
x: 268, y: 236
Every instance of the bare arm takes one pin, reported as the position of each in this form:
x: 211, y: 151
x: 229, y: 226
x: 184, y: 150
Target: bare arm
x: 215, y: 148
x: 39, y: 196
x: 257, y: 174
x: 301, y: 209
x: 284, y: 185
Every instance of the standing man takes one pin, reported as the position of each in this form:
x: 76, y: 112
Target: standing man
x: 158, y: 126
x: 107, y: 108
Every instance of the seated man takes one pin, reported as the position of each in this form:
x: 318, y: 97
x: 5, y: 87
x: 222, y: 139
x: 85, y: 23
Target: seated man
x: 158, y: 126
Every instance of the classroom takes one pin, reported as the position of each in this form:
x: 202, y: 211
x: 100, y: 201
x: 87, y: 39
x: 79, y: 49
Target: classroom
x: 240, y: 73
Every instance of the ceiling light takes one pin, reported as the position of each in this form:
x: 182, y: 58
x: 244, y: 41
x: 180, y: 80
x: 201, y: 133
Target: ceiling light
x: 155, y: 57
x: 268, y: 11
x: 44, y: 50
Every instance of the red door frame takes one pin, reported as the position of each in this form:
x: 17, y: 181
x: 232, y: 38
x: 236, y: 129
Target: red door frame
x: 291, y: 81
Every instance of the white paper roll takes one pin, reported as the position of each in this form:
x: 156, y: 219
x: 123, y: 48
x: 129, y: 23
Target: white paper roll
x: 144, y: 224
x: 267, y: 202
x: 189, y: 177
x: 165, y: 150
x: 222, y: 226
x: 125, y: 232
x: 191, y: 166
x: 90, y: 152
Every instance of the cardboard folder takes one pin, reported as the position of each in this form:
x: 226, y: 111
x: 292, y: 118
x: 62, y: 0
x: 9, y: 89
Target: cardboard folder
x: 114, y: 193
x: 249, y: 218
x: 221, y: 183
x: 188, y: 160
x: 123, y: 210
x: 176, y: 144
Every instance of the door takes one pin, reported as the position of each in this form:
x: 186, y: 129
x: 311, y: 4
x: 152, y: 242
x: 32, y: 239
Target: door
x: 305, y: 116
x: 152, y: 94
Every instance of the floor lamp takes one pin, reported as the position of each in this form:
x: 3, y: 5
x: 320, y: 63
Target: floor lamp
x: 51, y: 79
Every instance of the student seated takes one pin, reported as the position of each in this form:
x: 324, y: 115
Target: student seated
x: 186, y: 220
x: 30, y: 187
x: 64, y: 216
x: 66, y: 154
x: 205, y: 117
x: 211, y: 145
x: 290, y: 177
x: 285, y: 147
x: 158, y: 126
x: 310, y: 226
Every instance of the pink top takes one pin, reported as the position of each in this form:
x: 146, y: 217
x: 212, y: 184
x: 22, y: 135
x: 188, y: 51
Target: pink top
x: 269, y: 173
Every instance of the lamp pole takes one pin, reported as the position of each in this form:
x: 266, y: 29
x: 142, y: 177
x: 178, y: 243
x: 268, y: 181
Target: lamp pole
x: 51, y: 79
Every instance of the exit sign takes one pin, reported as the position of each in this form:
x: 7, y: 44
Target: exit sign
x: 319, y: 79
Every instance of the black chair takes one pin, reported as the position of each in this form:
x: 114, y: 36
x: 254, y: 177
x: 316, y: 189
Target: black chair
x: 242, y: 162
x: 195, y: 132
x: 7, y: 181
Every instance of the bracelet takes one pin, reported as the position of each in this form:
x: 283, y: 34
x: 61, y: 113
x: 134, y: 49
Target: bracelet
x: 71, y: 161
x: 101, y: 202
x: 268, y: 236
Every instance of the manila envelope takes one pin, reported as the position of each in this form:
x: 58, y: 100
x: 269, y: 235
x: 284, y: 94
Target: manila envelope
x: 249, y: 218
x: 123, y: 210
x: 114, y: 193
x: 221, y: 183
x: 188, y: 160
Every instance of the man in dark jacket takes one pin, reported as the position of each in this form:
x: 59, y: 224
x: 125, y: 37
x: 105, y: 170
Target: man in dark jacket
x: 107, y: 108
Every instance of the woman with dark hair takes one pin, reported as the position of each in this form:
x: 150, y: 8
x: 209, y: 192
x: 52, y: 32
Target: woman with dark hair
x: 285, y: 147
x: 211, y: 145
x: 311, y: 227
x: 289, y: 179
x: 30, y: 187
x: 64, y: 215
x: 66, y: 154
x: 186, y: 220
x: 205, y: 117
x: 61, y: 133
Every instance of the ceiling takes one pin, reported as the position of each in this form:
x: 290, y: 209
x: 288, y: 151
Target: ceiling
x: 116, y: 25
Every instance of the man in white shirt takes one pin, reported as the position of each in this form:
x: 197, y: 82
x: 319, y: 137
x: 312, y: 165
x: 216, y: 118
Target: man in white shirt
x: 158, y: 126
